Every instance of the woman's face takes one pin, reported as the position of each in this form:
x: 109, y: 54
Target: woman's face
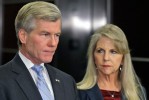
x: 107, y: 58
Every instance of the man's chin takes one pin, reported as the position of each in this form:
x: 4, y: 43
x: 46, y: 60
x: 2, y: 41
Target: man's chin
x: 47, y: 60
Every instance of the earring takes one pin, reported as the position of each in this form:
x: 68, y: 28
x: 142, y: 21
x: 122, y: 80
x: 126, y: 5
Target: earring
x: 120, y: 67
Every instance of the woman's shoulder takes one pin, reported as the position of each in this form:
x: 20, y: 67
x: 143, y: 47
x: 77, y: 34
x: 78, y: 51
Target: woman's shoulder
x: 90, y: 94
x: 92, y: 89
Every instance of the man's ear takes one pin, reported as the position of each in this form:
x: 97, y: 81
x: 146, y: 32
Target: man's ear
x: 22, y: 35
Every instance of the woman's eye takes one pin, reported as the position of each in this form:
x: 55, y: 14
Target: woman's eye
x: 114, y: 52
x: 100, y: 51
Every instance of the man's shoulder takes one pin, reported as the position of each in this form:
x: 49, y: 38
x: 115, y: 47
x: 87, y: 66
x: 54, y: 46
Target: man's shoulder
x: 58, y: 70
x: 5, y: 71
x: 5, y: 66
x: 60, y: 73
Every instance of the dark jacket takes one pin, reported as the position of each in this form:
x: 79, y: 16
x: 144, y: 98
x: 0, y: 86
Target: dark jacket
x: 93, y: 94
x: 16, y: 83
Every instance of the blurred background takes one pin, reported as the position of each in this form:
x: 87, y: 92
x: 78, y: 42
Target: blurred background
x: 80, y: 18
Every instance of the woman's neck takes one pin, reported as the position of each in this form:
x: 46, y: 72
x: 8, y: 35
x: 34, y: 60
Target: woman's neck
x: 109, y: 82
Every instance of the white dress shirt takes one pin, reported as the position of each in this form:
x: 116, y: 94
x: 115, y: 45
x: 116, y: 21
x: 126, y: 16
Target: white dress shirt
x: 29, y: 64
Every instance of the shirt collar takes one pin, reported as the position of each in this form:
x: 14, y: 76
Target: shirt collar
x: 27, y: 62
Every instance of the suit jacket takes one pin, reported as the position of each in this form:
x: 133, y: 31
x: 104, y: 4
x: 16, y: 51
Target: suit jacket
x: 93, y: 94
x: 16, y: 83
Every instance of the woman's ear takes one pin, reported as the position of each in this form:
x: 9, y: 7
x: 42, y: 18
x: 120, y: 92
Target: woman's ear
x: 122, y: 62
x: 121, y: 65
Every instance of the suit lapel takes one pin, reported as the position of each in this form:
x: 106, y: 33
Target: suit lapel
x: 94, y: 93
x: 57, y: 83
x: 25, y: 80
x: 28, y: 86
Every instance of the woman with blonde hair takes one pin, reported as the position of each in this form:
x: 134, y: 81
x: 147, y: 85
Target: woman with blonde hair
x: 110, y: 74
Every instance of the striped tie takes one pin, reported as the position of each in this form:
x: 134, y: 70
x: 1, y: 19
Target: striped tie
x: 41, y: 83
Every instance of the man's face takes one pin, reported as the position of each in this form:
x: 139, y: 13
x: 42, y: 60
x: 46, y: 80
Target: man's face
x: 40, y: 44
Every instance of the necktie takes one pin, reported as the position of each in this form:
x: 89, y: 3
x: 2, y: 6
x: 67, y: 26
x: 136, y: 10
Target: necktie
x: 41, y: 84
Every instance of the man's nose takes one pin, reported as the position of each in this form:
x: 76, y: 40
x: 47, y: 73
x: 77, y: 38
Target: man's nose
x: 52, y: 41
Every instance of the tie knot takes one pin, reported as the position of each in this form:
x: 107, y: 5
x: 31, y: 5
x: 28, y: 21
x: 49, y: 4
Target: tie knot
x: 38, y: 69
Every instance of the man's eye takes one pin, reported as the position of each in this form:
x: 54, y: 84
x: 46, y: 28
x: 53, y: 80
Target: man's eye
x: 45, y: 34
x: 58, y: 35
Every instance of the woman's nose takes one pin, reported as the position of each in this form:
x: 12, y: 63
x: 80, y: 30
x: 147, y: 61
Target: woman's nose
x: 106, y: 56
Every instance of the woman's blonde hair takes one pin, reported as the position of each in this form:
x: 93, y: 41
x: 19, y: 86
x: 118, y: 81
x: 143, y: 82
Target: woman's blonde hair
x: 131, y: 85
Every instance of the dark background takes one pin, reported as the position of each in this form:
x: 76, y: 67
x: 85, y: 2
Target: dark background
x: 130, y: 15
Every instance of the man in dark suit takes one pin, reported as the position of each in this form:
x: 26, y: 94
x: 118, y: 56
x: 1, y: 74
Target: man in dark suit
x: 38, y: 27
